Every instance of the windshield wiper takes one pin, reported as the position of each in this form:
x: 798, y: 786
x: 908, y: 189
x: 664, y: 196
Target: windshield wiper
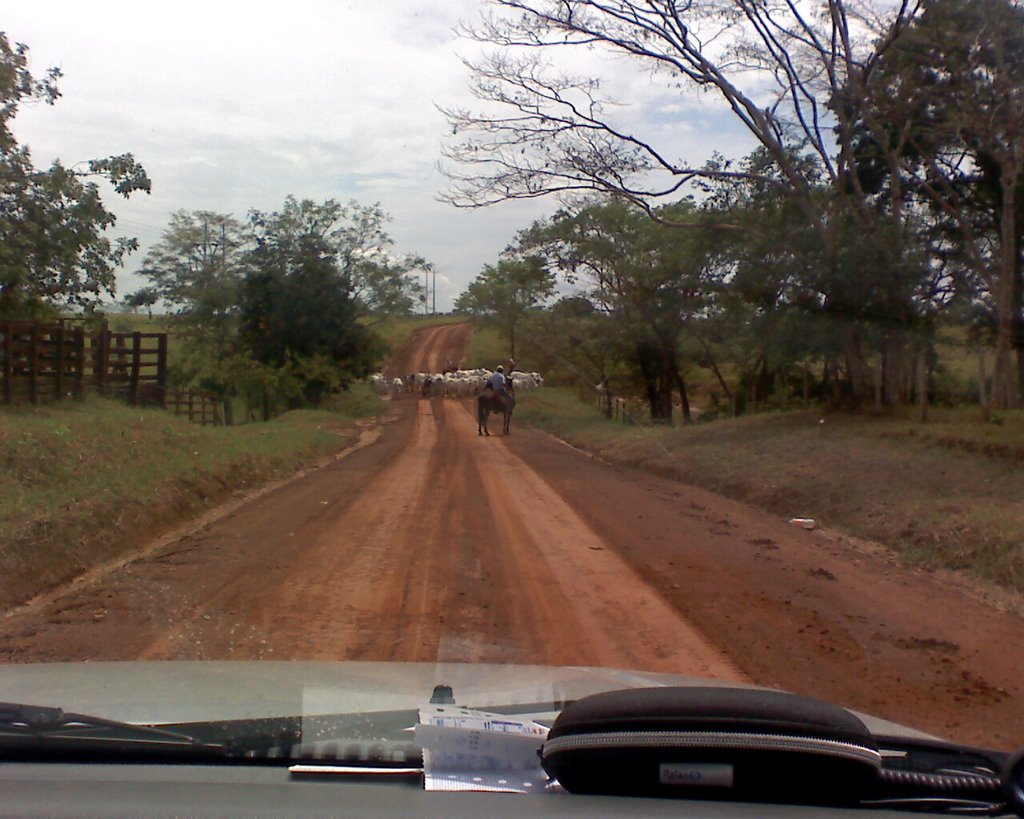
x: 44, y: 729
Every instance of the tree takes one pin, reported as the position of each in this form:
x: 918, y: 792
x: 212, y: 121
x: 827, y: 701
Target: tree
x: 786, y: 305
x: 144, y: 297
x: 794, y: 77
x: 574, y: 340
x: 390, y: 287
x: 298, y: 309
x: 651, y: 279
x: 503, y: 294
x: 952, y: 89
x: 196, y: 268
x: 54, y: 252
x: 355, y: 236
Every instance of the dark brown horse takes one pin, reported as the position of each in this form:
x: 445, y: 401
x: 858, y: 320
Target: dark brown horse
x: 489, y: 401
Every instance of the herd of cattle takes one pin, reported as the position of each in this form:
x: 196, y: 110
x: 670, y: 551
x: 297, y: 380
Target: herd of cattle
x: 452, y: 384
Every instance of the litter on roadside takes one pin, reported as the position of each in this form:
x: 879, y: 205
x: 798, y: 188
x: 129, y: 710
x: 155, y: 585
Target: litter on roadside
x: 805, y: 523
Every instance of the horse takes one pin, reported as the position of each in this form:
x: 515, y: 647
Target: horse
x: 488, y: 402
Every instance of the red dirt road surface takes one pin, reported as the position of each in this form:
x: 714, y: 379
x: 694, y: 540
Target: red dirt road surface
x: 426, y: 542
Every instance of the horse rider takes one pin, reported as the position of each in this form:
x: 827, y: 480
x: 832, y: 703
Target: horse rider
x: 497, y: 381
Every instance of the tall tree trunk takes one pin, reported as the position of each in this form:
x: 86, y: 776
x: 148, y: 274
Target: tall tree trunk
x: 853, y: 357
x: 1018, y: 304
x: 982, y: 380
x: 715, y: 370
x: 879, y: 373
x: 658, y: 381
x: 922, y: 383
x: 894, y: 381
x: 683, y: 397
x: 1005, y: 394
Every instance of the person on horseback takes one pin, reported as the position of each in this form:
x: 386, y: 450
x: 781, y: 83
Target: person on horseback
x: 497, y: 381
x: 498, y: 396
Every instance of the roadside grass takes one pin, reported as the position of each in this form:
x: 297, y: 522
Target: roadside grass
x: 487, y: 348
x: 358, y: 401
x: 85, y: 482
x: 946, y: 493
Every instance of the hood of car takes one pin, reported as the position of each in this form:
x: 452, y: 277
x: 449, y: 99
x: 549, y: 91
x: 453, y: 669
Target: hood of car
x: 178, y: 692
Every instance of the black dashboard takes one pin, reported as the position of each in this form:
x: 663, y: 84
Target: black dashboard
x: 113, y: 790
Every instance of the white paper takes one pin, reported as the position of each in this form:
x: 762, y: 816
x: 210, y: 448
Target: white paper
x: 466, y: 750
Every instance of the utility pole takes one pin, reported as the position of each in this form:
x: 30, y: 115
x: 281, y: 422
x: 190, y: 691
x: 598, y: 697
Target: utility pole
x: 433, y: 273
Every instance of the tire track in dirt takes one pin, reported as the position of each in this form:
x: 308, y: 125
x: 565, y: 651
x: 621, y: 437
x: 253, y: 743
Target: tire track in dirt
x: 603, y: 605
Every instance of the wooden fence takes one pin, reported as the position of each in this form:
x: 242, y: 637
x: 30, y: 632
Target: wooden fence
x: 199, y: 407
x: 132, y: 366
x: 40, y: 362
x: 617, y: 409
x: 46, y: 362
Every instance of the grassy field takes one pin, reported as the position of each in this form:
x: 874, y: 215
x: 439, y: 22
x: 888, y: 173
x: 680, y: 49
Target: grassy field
x: 83, y: 482
x: 487, y: 348
x: 946, y: 493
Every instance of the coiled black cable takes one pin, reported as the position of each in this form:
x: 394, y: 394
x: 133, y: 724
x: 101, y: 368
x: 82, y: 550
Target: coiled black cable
x: 941, y: 782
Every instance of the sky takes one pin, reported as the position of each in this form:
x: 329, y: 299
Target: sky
x: 231, y: 107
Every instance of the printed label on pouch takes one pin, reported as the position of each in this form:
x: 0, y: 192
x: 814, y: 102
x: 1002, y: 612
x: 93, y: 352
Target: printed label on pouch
x: 710, y: 775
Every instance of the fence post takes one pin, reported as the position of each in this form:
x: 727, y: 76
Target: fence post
x: 78, y: 339
x: 161, y: 368
x: 101, y: 359
x: 59, y: 388
x: 133, y: 378
x: 33, y: 364
x: 8, y: 353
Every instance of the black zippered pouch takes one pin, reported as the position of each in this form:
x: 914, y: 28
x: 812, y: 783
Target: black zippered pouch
x: 713, y: 743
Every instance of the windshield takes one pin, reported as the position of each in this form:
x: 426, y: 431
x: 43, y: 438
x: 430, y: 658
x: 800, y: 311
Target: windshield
x: 518, y: 335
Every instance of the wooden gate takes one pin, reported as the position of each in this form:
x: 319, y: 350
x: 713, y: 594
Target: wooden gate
x: 199, y: 407
x: 132, y: 366
x: 41, y: 362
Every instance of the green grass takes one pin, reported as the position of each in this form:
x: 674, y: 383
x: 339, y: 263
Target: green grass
x: 140, y: 323
x: 487, y: 348
x: 358, y: 401
x: 84, y: 482
x: 944, y: 494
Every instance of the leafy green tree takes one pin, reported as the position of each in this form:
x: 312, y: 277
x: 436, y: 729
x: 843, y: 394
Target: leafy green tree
x: 196, y: 268
x: 950, y: 94
x: 355, y: 236
x: 54, y: 251
x: 144, y: 297
x: 793, y: 75
x: 785, y: 305
x: 572, y: 341
x: 504, y: 293
x: 651, y: 279
x: 298, y: 309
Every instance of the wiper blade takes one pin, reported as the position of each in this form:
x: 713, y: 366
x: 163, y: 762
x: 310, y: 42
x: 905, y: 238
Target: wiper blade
x: 45, y: 728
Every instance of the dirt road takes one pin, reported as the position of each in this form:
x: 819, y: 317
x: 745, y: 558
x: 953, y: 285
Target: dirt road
x: 429, y: 543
